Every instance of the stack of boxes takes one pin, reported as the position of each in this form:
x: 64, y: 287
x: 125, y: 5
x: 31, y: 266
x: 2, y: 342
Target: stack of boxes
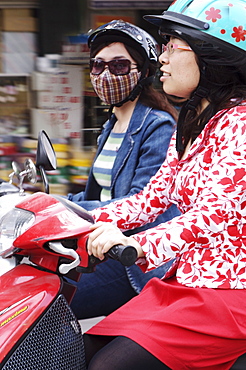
x: 18, y: 47
x: 18, y: 40
x: 57, y: 103
x: 32, y: 99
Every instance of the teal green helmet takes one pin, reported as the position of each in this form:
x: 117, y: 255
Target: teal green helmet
x: 225, y: 20
x: 216, y: 32
x: 215, y: 29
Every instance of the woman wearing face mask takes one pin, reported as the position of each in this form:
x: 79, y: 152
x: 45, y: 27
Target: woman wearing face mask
x: 196, y: 319
x: 131, y: 148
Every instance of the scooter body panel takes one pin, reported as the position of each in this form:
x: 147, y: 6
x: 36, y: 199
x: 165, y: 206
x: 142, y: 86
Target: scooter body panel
x: 52, y: 219
x: 38, y: 329
x: 25, y: 294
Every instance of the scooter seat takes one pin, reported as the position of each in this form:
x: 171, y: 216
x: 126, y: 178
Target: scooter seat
x: 240, y: 364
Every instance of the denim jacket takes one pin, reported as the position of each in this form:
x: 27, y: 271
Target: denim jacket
x: 140, y: 155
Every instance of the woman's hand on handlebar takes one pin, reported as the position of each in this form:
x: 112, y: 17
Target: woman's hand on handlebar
x: 104, y: 236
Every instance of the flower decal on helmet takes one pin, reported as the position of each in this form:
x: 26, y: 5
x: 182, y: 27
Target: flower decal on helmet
x: 225, y: 19
x: 213, y: 14
x: 233, y: 31
x: 239, y: 34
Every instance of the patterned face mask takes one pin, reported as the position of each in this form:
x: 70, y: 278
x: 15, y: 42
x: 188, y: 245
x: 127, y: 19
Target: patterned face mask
x: 112, y: 89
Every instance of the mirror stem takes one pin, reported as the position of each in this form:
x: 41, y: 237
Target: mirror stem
x: 45, y: 179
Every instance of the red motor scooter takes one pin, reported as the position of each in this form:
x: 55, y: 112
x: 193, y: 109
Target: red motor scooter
x: 43, y: 241
x: 43, y: 237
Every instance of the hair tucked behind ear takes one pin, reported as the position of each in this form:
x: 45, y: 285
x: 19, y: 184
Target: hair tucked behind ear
x: 227, y: 91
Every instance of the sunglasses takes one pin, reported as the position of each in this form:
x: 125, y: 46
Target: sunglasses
x: 170, y: 47
x: 117, y: 67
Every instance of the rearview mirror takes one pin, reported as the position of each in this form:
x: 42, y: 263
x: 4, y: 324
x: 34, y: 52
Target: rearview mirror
x: 45, y: 157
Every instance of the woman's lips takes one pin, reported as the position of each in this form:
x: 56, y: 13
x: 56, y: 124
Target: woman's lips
x: 164, y: 76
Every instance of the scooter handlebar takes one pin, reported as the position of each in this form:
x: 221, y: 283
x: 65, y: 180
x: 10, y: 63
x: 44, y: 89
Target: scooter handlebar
x: 127, y: 255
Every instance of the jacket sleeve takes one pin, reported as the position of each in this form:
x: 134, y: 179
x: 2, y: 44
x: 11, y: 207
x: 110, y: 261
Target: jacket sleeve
x: 142, y: 165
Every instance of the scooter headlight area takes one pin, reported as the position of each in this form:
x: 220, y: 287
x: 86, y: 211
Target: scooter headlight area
x: 13, y: 224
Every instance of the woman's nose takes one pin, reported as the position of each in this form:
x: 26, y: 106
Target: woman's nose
x: 163, y: 58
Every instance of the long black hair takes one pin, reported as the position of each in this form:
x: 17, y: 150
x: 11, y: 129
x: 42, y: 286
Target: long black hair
x: 226, y: 90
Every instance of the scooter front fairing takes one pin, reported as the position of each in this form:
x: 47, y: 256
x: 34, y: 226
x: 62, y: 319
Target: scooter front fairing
x: 25, y: 294
x: 38, y: 330
x: 35, y: 226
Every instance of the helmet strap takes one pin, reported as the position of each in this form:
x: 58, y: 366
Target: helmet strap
x: 200, y: 93
x: 138, y: 88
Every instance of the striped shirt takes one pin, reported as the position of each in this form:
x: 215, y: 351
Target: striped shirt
x: 104, y: 163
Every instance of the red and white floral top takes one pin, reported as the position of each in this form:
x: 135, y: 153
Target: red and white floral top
x: 209, y: 187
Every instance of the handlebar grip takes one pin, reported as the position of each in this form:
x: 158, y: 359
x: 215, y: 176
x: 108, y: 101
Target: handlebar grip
x: 127, y: 255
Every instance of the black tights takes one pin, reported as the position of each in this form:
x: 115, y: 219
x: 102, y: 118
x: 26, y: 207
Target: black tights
x: 121, y: 353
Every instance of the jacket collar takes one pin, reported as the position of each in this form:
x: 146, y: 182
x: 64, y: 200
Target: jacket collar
x: 137, y: 120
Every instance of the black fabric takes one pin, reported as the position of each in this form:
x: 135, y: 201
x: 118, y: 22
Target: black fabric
x: 240, y: 364
x: 121, y: 353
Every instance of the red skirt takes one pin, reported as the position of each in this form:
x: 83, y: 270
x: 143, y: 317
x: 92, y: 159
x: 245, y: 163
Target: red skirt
x: 185, y: 328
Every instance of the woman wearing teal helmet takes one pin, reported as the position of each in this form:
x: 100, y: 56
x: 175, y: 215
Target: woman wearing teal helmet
x: 196, y: 318
x: 216, y: 32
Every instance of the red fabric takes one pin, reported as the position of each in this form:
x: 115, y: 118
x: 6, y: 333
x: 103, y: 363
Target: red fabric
x: 186, y: 328
x: 209, y: 187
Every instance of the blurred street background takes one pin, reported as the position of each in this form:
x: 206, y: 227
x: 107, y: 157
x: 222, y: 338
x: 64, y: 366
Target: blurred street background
x: 44, y: 80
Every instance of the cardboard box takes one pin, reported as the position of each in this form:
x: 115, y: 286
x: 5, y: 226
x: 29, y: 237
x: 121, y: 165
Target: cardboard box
x: 17, y: 12
x: 76, y: 53
x: 18, y: 62
x: 18, y: 54
x: 19, y: 42
x: 41, y: 82
x: 58, y: 108
x: 58, y: 90
x: 18, y: 20
x: 58, y: 123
